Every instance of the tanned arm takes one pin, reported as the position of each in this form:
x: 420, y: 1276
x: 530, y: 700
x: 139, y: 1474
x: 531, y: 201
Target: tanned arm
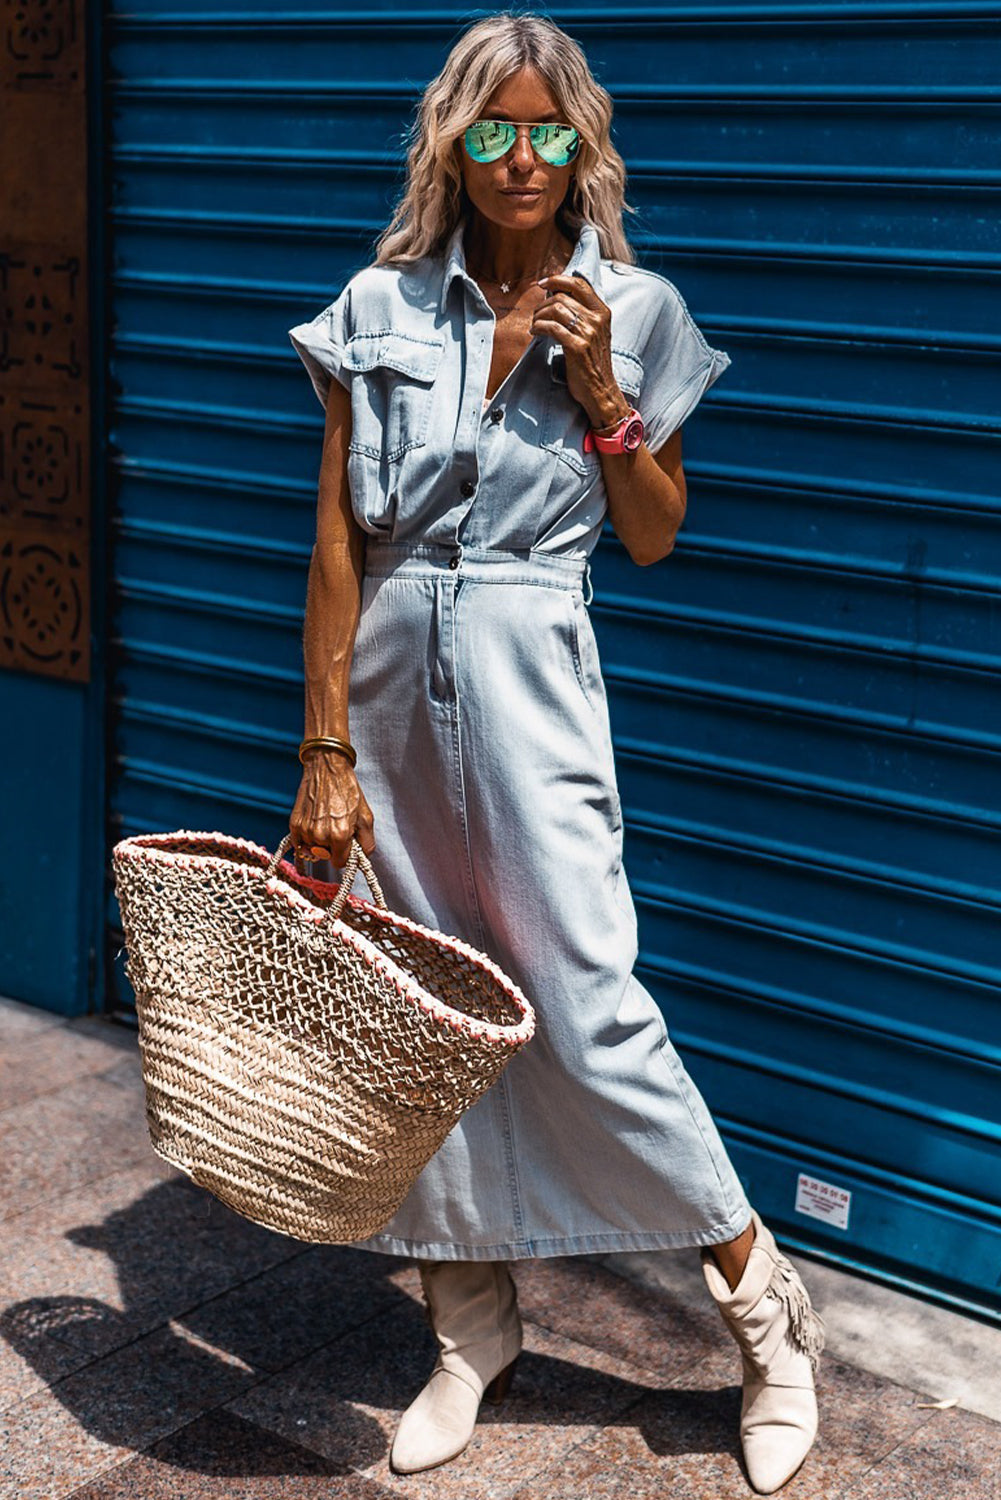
x: 330, y: 806
x: 646, y: 492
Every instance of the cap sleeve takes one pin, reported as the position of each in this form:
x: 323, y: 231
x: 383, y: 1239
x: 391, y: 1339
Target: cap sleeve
x: 320, y: 345
x: 679, y: 366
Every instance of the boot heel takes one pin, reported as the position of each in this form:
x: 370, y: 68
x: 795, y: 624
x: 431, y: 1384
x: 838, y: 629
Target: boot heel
x: 498, y: 1388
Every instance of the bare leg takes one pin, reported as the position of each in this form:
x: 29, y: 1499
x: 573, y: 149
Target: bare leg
x: 731, y: 1256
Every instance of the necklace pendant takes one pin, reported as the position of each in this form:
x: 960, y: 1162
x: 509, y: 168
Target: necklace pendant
x: 505, y: 286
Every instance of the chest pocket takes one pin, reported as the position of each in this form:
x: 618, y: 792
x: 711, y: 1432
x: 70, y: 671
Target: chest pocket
x: 391, y: 397
x: 566, y: 421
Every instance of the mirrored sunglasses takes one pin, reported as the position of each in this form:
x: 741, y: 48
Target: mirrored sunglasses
x: 488, y: 140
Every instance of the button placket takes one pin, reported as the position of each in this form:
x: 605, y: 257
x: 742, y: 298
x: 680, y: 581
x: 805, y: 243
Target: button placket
x: 474, y: 385
x: 443, y: 645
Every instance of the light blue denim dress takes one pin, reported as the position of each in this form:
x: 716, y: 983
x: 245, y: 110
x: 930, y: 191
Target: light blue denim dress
x: 478, y: 711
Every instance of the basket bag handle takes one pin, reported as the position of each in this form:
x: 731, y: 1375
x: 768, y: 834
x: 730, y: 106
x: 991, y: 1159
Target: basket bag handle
x: 356, y: 859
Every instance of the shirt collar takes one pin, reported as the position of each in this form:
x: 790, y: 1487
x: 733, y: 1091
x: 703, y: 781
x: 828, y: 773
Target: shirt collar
x: 586, y: 258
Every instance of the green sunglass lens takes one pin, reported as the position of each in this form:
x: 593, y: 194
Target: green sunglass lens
x: 556, y: 144
x: 489, y: 139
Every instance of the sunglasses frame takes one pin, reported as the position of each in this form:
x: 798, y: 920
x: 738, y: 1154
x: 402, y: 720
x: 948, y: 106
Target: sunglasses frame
x: 530, y: 126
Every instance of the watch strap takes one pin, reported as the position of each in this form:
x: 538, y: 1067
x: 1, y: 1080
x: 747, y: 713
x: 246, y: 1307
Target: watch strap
x: 612, y: 442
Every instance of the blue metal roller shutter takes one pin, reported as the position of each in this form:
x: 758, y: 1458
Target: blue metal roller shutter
x: 804, y: 696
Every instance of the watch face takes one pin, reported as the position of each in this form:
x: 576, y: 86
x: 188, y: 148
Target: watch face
x: 633, y: 435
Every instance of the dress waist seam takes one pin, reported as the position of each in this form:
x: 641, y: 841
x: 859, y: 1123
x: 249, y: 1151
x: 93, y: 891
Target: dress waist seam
x: 485, y: 564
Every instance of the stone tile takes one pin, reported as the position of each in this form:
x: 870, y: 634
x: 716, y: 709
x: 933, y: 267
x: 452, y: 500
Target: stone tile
x: 862, y: 1418
x: 618, y: 1463
x: 40, y: 1062
x: 686, y: 1438
x: 31, y: 1359
x: 563, y: 1392
x: 18, y: 1020
x: 954, y: 1455
x: 346, y: 1400
x: 405, y: 1276
x: 92, y: 1200
x: 55, y: 1440
x: 115, y: 1259
x: 681, y: 1439
x: 675, y: 1275
x: 590, y: 1304
x: 45, y: 1452
x: 222, y: 1457
x: 321, y: 1401
x: 292, y: 1308
x: 938, y: 1350
x: 86, y: 1130
x: 123, y: 1037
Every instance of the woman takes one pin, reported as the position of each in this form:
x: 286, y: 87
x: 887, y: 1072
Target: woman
x: 496, y: 383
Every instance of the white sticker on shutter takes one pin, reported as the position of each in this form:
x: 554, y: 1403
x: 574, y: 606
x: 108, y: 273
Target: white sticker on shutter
x: 822, y: 1200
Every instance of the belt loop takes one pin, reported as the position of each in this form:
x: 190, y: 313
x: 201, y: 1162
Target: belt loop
x: 587, y: 583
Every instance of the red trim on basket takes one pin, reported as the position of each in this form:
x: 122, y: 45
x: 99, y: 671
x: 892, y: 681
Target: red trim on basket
x: 142, y: 846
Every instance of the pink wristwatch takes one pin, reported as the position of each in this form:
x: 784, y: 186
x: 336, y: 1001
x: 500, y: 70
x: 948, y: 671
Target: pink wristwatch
x: 625, y: 439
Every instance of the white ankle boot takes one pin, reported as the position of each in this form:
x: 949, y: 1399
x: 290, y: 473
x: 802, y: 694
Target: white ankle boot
x: 472, y: 1308
x: 781, y: 1337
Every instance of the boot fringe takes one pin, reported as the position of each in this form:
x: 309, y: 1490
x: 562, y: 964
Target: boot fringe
x: 806, y: 1326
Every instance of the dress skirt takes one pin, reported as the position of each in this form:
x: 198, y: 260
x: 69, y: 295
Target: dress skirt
x: 479, y: 715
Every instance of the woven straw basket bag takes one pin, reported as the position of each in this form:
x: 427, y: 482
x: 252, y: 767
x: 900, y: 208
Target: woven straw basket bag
x: 304, y: 1051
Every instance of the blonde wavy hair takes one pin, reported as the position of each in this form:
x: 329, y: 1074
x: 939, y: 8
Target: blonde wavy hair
x: 434, y: 198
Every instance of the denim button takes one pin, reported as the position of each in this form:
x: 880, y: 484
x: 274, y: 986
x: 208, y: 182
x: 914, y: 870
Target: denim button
x: 453, y: 562
x: 467, y: 488
x: 497, y: 414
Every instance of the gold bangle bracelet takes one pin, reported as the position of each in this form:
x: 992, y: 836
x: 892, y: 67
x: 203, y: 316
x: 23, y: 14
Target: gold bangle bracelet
x: 328, y: 742
x: 610, y: 427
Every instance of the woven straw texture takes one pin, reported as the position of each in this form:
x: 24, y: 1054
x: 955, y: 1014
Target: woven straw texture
x: 303, y: 1066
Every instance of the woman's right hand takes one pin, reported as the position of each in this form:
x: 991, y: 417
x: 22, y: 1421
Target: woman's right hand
x: 330, y: 809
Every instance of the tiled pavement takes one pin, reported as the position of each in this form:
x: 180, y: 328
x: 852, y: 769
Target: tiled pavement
x: 157, y: 1345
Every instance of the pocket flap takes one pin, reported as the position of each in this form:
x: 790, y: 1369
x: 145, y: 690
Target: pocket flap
x: 627, y: 368
x: 417, y: 357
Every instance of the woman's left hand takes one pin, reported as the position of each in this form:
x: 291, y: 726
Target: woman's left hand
x: 581, y: 322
